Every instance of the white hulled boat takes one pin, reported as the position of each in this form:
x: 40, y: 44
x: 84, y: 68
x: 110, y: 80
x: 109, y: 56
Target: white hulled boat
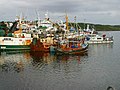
x: 96, y: 39
x: 93, y: 37
x: 15, y: 40
x: 16, y: 43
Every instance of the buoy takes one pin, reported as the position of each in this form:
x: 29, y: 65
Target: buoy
x: 46, y: 46
x: 110, y: 88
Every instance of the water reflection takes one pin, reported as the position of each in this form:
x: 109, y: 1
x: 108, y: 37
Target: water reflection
x: 42, y: 57
x: 108, y: 46
x: 69, y: 63
x: 100, y: 49
x: 96, y: 70
x: 39, y: 60
x: 10, y: 61
x: 17, y: 61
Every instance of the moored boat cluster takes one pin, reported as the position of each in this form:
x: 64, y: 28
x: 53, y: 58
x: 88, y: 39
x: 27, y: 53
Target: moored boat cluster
x: 48, y: 36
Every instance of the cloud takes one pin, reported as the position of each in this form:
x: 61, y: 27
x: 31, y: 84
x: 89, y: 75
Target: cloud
x: 91, y: 10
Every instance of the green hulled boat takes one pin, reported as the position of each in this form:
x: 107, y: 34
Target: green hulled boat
x: 12, y: 43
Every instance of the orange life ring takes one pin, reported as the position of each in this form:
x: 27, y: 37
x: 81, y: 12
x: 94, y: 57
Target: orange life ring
x: 46, y: 45
x: 27, y: 42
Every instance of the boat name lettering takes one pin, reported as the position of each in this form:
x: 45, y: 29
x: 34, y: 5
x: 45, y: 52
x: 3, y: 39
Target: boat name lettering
x: 20, y: 39
x: 7, y: 39
x: 3, y: 47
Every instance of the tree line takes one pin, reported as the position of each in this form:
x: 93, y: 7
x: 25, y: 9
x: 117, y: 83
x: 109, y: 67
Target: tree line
x: 97, y: 27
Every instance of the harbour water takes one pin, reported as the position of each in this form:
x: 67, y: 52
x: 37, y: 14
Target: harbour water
x: 98, y: 69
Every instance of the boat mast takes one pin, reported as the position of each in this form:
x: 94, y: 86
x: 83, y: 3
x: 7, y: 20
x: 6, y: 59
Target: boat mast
x: 66, y: 17
x: 20, y: 23
x: 84, y: 24
x: 76, y: 24
x: 46, y: 16
x: 38, y: 19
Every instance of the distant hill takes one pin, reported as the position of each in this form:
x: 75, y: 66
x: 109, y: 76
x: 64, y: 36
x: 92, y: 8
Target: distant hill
x: 98, y: 27
x: 107, y: 27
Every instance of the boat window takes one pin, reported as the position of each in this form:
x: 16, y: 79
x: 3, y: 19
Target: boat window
x: 7, y: 39
x: 98, y: 38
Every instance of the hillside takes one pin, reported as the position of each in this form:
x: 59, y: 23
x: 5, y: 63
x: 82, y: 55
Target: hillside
x: 98, y: 27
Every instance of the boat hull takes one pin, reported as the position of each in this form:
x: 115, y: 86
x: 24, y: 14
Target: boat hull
x: 38, y: 48
x: 73, y: 51
x: 14, y: 47
x: 97, y: 39
x: 99, y: 42
x: 12, y: 43
x: 37, y: 45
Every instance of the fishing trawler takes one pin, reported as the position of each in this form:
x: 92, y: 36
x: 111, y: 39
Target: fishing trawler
x: 71, y: 42
x: 93, y: 37
x: 15, y: 43
x: 72, y: 46
x: 97, y: 39
x: 15, y: 39
x: 39, y: 45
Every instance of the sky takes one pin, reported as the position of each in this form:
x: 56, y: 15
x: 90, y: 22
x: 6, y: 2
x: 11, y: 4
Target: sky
x: 88, y: 11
